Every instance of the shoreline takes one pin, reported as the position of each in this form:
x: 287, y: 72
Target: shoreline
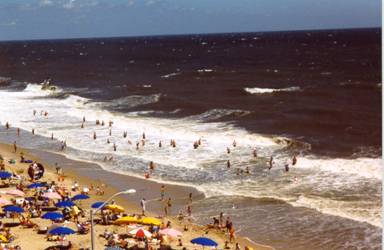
x: 89, y: 173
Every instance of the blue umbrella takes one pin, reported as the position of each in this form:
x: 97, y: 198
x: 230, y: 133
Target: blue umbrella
x: 5, y: 174
x: 65, y: 204
x: 98, y: 204
x: 80, y: 197
x: 13, y: 209
x: 61, y: 231
x: 52, y: 216
x: 36, y: 185
x: 204, y: 241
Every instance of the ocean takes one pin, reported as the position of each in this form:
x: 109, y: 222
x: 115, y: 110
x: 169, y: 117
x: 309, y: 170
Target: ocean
x: 314, y: 94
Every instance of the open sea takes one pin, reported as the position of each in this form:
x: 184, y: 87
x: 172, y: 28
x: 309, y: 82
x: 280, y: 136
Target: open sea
x: 312, y: 93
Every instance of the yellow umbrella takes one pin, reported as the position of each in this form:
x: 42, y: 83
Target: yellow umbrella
x: 127, y: 220
x: 151, y: 221
x: 115, y: 208
x: 3, y: 239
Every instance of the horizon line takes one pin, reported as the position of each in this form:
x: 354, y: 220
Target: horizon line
x: 186, y: 34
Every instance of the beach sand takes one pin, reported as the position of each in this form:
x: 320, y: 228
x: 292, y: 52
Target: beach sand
x: 87, y: 174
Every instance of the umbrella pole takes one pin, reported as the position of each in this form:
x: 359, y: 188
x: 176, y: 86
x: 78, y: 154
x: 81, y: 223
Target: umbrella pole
x: 92, y: 232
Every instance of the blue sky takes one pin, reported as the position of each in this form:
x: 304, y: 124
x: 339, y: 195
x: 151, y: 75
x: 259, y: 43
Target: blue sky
x: 44, y: 19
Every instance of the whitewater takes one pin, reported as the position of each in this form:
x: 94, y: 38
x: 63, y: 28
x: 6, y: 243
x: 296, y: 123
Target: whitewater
x: 329, y: 185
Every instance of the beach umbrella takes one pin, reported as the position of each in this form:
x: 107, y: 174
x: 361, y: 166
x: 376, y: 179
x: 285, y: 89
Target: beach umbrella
x: 80, y: 197
x: 5, y: 174
x: 3, y: 239
x: 52, y: 216
x: 61, y: 231
x: 36, y: 185
x: 98, y: 204
x: 150, y: 221
x: 126, y: 220
x: 171, y: 232
x: 13, y: 209
x: 204, y: 241
x: 115, y: 208
x: 140, y: 233
x: 65, y: 204
x: 15, y: 192
x: 52, y: 195
x: 4, y: 202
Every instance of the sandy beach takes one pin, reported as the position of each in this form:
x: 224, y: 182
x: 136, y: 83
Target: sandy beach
x: 88, y: 175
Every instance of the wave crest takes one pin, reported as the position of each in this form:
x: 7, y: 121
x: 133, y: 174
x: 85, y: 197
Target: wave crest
x: 270, y: 90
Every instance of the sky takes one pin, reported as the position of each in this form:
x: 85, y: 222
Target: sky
x: 52, y: 19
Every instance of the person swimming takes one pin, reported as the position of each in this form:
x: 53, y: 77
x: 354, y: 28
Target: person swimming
x: 228, y: 151
x: 125, y: 134
x: 234, y: 143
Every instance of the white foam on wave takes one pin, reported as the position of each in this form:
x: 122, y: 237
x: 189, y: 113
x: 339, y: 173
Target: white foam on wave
x: 184, y: 165
x: 171, y: 75
x: 256, y: 90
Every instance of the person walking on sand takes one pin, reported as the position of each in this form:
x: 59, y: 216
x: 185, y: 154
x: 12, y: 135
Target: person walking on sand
x: 168, y: 206
x: 14, y: 147
x: 142, y: 205
x: 162, y: 192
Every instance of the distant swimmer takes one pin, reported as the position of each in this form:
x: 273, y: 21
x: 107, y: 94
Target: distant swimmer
x: 254, y: 153
x: 195, y: 145
x: 160, y: 144
x: 125, y: 134
x: 234, y: 143
x: 97, y: 122
x: 228, y: 164
x: 34, y: 112
x: 294, y: 160
x: 270, y: 163
x: 143, y: 135
x: 137, y: 145
x: 286, y: 167
x: 94, y: 135
x: 45, y: 113
x: 83, y: 118
x: 33, y: 131
x: 102, y: 123
x: 108, y: 141
x: 51, y: 136
x: 110, y: 132
x: 228, y: 151
x: 110, y: 123
x: 114, y: 147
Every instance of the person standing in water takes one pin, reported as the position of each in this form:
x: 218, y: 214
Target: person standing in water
x: 270, y: 163
x: 114, y: 147
x: 51, y: 136
x: 18, y: 131
x: 228, y: 164
x: 94, y: 135
x: 7, y: 125
x: 33, y: 131
x: 254, y: 153
x: 159, y: 144
x: 294, y: 160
